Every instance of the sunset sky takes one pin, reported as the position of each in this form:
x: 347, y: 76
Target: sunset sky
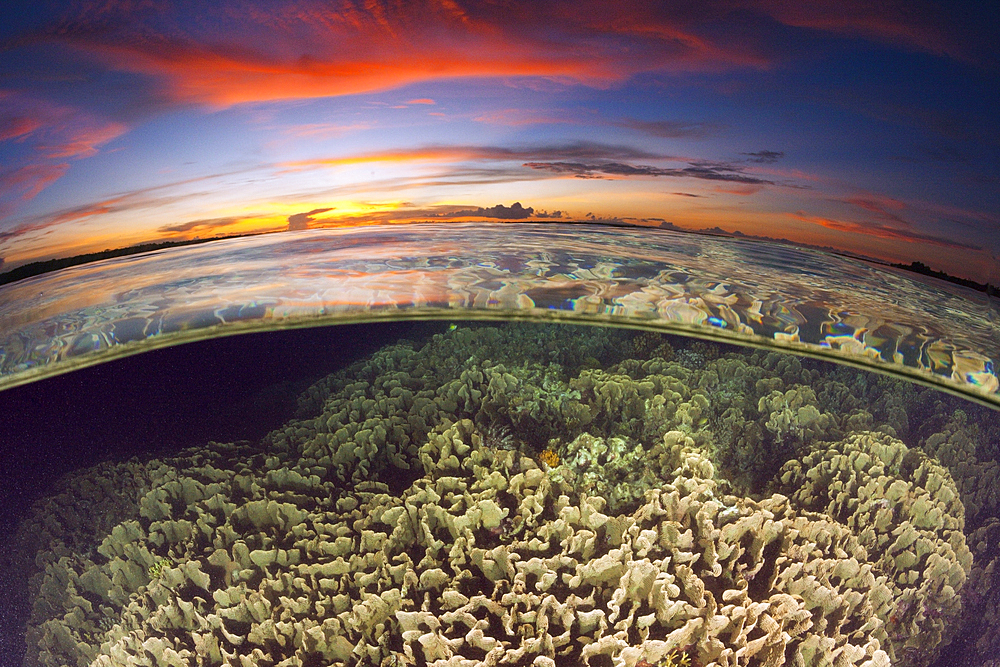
x: 872, y: 127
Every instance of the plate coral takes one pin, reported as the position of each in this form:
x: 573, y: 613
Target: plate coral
x: 527, y: 495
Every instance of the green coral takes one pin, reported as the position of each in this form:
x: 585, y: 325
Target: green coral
x: 157, y: 568
x: 611, y: 468
x: 676, y: 658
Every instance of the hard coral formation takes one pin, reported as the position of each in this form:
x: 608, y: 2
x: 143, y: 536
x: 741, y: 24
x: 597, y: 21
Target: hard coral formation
x: 957, y: 447
x: 960, y: 446
x: 271, y: 575
x: 905, y: 510
x: 535, y: 495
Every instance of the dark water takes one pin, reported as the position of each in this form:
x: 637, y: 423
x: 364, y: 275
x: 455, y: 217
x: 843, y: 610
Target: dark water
x: 408, y: 493
x: 224, y: 389
x: 156, y: 404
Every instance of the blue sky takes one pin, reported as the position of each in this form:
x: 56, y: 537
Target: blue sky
x: 867, y: 127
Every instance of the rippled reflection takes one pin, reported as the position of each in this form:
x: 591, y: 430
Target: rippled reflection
x: 826, y: 305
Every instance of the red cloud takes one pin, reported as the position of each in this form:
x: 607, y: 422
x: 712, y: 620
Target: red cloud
x: 315, y: 49
x: 55, y: 131
x: 16, y: 127
x: 71, y: 215
x: 907, y: 23
x: 27, y: 181
x: 312, y: 48
x: 77, y: 142
x: 86, y: 211
x: 223, y: 78
x: 51, y: 134
x: 885, y: 208
x: 881, y: 231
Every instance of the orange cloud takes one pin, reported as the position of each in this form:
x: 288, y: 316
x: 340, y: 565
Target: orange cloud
x: 421, y: 100
x: 882, y: 232
x: 459, y: 153
x: 739, y: 190
x: 440, y: 153
x: 201, y: 226
x: 309, y: 49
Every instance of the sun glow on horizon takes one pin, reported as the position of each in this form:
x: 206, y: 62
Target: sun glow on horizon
x: 451, y: 111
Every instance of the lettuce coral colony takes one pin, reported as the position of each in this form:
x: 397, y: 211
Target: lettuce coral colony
x: 528, y: 495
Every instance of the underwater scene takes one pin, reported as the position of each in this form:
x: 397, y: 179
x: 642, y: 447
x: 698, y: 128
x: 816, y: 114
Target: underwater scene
x: 515, y: 493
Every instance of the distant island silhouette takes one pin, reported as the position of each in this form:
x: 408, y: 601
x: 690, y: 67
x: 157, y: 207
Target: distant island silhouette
x: 920, y: 267
x: 49, y: 265
x: 914, y: 267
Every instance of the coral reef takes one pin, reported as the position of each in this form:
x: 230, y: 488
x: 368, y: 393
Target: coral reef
x: 472, y: 563
x: 905, y: 510
x: 531, y: 495
x: 960, y: 445
x: 956, y: 445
